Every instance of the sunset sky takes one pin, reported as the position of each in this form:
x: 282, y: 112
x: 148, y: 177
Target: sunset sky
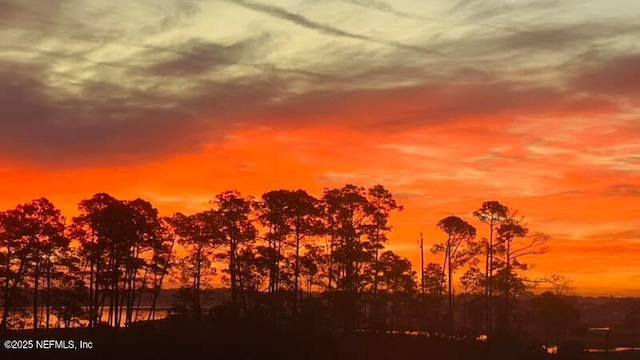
x: 534, y: 103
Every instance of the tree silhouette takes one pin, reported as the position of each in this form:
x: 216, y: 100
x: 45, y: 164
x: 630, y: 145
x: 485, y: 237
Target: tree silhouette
x: 473, y: 283
x: 560, y: 284
x: 398, y: 278
x: 382, y: 204
x: 458, y: 249
x: 238, y: 231
x: 302, y: 216
x: 513, y: 249
x: 115, y: 237
x: 147, y: 238
x: 556, y: 315
x: 87, y: 230
x: 33, y: 234
x: 434, y: 279
x: 350, y: 221
x: 200, y: 236
x: 252, y: 273
x: 310, y: 266
x: 434, y: 285
x: 163, y: 259
x: 491, y: 213
x: 272, y: 214
x: 15, y: 257
x: 307, y: 262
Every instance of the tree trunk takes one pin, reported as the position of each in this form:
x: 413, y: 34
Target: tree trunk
x: 451, y: 316
x: 158, y: 285
x: 96, y: 315
x: 36, y: 280
x: 91, y: 293
x: 330, y: 277
x: 464, y: 311
x: 296, y: 274
x: 111, y: 288
x: 375, y: 264
x: 7, y: 301
x: 130, y: 293
x: 143, y: 285
x: 48, y: 294
x: 13, y: 287
x: 196, y: 290
x: 421, y: 264
x: 507, y: 290
x: 491, y: 279
x: 232, y: 274
x: 154, y: 296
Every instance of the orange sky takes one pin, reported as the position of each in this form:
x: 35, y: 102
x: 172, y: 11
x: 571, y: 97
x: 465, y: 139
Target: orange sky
x: 534, y: 106
x: 594, y: 233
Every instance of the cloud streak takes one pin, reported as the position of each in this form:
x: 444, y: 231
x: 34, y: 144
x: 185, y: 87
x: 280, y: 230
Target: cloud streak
x: 91, y: 96
x: 280, y: 13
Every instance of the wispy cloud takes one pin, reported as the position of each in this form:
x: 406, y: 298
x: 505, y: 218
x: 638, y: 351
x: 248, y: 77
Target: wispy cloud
x: 280, y: 13
x: 80, y: 87
x: 387, y: 8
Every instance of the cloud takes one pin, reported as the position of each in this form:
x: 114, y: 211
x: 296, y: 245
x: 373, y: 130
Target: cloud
x: 195, y: 57
x: 483, y: 10
x: 300, y: 20
x: 488, y: 103
x: 565, y: 36
x: 18, y: 13
x: 90, y: 96
x: 615, y: 76
x: 172, y: 106
x: 387, y: 8
x: 105, y: 122
x: 79, y: 20
x: 623, y: 190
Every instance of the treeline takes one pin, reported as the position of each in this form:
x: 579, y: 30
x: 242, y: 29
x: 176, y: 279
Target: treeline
x: 286, y: 257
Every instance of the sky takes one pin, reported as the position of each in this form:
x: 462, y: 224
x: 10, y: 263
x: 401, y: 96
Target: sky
x: 533, y: 103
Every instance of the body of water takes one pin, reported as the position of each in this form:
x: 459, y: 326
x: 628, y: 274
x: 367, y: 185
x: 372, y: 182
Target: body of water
x: 23, y: 317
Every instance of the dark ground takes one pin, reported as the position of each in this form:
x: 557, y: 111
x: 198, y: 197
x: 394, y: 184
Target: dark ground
x: 171, y: 339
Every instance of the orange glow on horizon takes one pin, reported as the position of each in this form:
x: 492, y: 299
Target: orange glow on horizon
x: 596, y: 248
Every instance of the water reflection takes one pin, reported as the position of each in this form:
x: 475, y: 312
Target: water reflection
x: 23, y: 319
x: 617, y: 349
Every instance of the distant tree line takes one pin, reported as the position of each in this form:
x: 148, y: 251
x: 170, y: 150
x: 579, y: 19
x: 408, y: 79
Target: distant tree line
x: 288, y: 257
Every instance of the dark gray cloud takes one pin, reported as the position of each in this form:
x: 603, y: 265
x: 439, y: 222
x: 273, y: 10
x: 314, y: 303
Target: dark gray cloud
x: 25, y: 14
x: 566, y: 36
x: 401, y: 109
x: 63, y: 104
x: 108, y: 123
x: 578, y: 43
x: 615, y: 76
x: 195, y: 57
